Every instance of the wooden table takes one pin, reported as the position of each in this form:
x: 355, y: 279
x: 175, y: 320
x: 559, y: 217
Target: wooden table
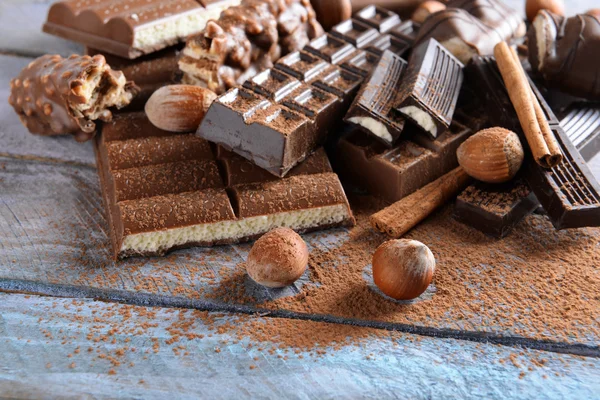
x: 53, y: 241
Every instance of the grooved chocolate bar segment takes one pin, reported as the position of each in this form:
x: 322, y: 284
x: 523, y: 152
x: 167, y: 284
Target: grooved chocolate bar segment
x: 430, y: 90
x: 389, y: 43
x: 379, y: 18
x: 495, y: 209
x: 361, y: 63
x: 302, y: 65
x: 330, y: 48
x: 568, y: 192
x: 128, y: 28
x: 373, y: 110
x: 339, y: 82
x: 405, y: 31
x: 582, y: 126
x: 355, y: 32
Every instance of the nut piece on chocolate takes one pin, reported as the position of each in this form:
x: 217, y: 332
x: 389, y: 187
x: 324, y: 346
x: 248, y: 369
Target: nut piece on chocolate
x: 565, y: 52
x: 57, y: 96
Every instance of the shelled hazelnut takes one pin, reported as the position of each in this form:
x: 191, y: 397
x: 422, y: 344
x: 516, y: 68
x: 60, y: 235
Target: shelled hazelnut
x: 425, y: 9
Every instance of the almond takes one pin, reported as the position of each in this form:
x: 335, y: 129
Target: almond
x: 492, y: 155
x: 179, y: 108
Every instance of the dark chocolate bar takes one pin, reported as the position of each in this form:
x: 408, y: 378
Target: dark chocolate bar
x: 495, y: 209
x: 165, y: 191
x: 568, y: 192
x: 582, y: 126
x: 431, y: 86
x: 379, y: 18
x: 373, y: 109
x: 130, y: 28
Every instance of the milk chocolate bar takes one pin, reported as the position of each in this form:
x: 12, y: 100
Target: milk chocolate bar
x: 189, y: 194
x: 131, y: 28
x: 430, y: 88
x: 495, y: 209
x: 57, y: 96
x: 373, y: 110
x: 568, y: 192
x: 582, y: 126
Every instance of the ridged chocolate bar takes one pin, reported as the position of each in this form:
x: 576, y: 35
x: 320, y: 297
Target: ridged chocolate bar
x: 495, y: 209
x: 131, y: 28
x: 568, y: 192
x: 165, y: 191
x: 430, y: 88
x: 373, y: 110
x: 582, y: 126
x: 284, y: 113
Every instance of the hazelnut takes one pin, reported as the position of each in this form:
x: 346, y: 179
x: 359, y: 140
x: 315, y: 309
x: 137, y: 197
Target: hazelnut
x: 492, y: 155
x: 532, y: 7
x: 332, y: 12
x: 403, y: 268
x: 594, y: 12
x: 278, y: 258
x: 425, y: 9
x: 179, y: 108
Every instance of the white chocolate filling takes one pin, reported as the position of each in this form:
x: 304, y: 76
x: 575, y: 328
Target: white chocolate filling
x: 375, y: 127
x: 545, y: 34
x: 423, y: 119
x: 157, y: 241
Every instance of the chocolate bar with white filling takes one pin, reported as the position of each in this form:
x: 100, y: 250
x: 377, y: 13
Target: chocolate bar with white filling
x: 190, y: 194
x: 430, y: 87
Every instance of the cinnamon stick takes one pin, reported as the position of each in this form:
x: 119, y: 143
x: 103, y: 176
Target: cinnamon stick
x: 402, y: 216
x: 542, y: 142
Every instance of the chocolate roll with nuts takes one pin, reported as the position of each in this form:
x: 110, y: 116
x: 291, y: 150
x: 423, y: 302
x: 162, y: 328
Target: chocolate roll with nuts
x: 58, y: 96
x: 565, y: 52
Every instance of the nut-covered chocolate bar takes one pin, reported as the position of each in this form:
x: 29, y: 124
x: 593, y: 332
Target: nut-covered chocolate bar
x: 569, y: 192
x: 282, y: 114
x: 430, y: 88
x: 57, y: 96
x: 131, y: 28
x: 495, y: 209
x: 565, y: 52
x: 165, y: 191
x: 582, y: 126
x: 245, y: 40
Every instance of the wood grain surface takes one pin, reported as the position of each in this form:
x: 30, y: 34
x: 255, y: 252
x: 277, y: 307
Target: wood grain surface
x: 53, y: 241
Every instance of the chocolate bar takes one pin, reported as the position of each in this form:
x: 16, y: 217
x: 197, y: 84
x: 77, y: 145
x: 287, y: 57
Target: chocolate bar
x: 582, y: 126
x: 188, y: 194
x: 568, y: 192
x: 394, y: 173
x: 57, y: 96
x: 131, y: 28
x: 379, y: 18
x: 430, y: 88
x: 373, y: 109
x: 495, y: 209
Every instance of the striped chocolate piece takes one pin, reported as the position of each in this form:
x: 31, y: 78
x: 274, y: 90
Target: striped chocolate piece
x: 582, y: 125
x: 178, y: 191
x: 568, y: 192
x: 430, y: 89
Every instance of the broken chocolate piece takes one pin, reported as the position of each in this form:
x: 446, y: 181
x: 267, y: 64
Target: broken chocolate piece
x: 495, y: 209
x: 192, y: 198
x: 373, y: 109
x: 582, y: 126
x: 430, y: 87
x: 58, y: 96
x: 565, y: 52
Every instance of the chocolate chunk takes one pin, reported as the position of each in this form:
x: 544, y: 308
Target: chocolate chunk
x: 56, y: 96
x: 132, y: 28
x: 495, y: 209
x: 373, y: 110
x: 568, y: 192
x: 565, y: 52
x: 183, y: 194
x: 430, y: 88
x: 582, y: 126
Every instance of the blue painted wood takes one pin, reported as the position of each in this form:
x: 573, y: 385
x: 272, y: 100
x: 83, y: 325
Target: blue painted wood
x: 38, y: 334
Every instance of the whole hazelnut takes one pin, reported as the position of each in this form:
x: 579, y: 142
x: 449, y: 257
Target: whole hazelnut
x: 425, y: 9
x: 278, y: 258
x: 492, y: 155
x: 532, y: 7
x: 403, y: 268
x: 594, y: 12
x: 332, y: 12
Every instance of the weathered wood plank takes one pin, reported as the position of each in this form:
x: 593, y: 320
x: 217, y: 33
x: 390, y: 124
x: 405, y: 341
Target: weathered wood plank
x: 39, y: 358
x: 16, y: 141
x: 55, y: 242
